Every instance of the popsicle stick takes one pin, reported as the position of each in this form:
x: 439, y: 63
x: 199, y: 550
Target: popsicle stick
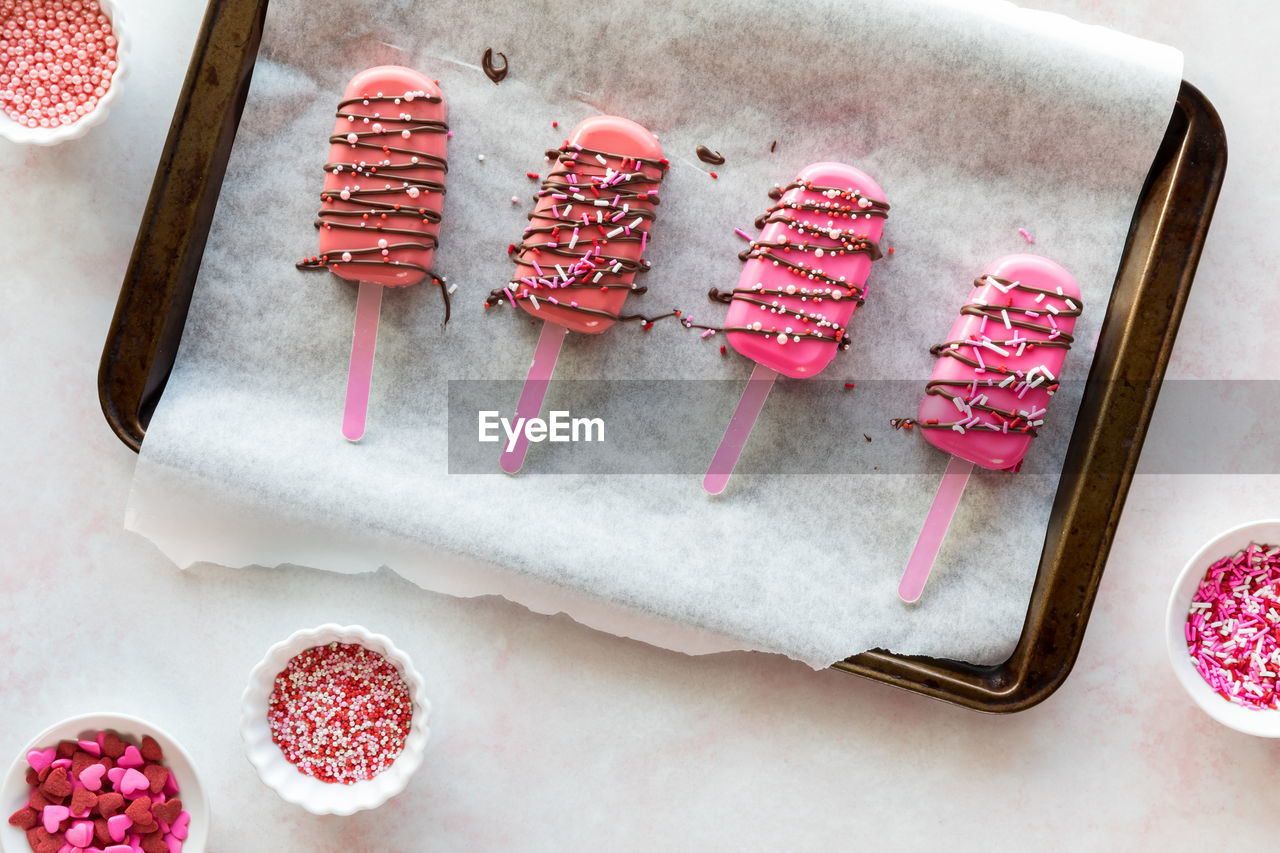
x: 739, y: 429
x: 535, y: 390
x: 360, y: 376
x: 935, y: 528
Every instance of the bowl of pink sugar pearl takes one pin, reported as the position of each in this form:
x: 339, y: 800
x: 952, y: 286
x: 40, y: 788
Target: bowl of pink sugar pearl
x: 1223, y: 628
x: 61, y: 65
x: 334, y: 719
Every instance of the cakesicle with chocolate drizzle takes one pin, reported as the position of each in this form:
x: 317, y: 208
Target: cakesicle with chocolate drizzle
x: 991, y: 385
x: 583, y: 246
x: 803, y: 278
x: 379, y: 219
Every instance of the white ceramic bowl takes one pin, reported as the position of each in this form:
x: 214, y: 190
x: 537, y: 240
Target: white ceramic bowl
x: 15, y: 132
x: 284, y: 778
x: 14, y: 793
x: 1263, y: 723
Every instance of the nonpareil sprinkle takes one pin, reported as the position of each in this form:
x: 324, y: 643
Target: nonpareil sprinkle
x: 1233, y: 627
x: 340, y: 712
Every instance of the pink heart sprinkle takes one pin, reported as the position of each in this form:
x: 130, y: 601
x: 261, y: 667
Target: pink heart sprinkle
x: 53, y: 816
x: 118, y: 825
x: 91, y: 747
x: 133, y: 782
x: 115, y: 774
x: 131, y: 758
x: 175, y: 846
x: 66, y: 848
x: 80, y: 834
x: 118, y: 848
x: 171, y: 786
x: 61, y: 762
x: 39, y: 759
x: 180, y: 826
x: 91, y: 776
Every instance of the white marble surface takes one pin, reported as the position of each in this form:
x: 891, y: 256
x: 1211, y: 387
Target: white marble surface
x: 546, y: 735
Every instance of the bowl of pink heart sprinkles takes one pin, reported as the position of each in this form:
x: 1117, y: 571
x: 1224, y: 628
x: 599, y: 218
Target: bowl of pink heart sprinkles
x: 104, y: 782
x: 1223, y: 628
x: 334, y: 719
x: 61, y: 65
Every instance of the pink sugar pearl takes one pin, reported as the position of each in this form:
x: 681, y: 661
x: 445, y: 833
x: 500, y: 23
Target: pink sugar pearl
x: 57, y: 58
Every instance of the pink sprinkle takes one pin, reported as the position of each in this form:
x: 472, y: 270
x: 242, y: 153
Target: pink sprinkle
x: 743, y: 234
x: 708, y: 333
x: 1026, y: 235
x: 1233, y: 627
x: 56, y: 61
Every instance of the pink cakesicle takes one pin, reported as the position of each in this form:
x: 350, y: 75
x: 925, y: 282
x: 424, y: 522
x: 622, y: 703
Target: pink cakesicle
x: 991, y: 386
x: 585, y: 241
x: 803, y: 278
x: 383, y: 192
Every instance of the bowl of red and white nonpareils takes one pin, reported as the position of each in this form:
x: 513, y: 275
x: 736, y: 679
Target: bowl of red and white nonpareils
x: 1223, y: 628
x: 61, y: 66
x: 335, y: 719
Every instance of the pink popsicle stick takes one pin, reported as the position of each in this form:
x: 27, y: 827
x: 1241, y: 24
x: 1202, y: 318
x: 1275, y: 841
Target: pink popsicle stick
x: 735, y: 436
x: 935, y: 528
x: 360, y: 376
x: 535, y: 390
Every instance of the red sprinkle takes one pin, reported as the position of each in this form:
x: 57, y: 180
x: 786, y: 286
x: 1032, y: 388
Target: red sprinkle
x: 723, y: 351
x: 56, y: 60
x: 340, y: 712
x: 1233, y: 627
x: 533, y: 175
x: 714, y: 175
x: 848, y: 386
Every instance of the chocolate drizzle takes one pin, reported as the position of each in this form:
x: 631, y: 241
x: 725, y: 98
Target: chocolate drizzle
x: 816, y: 242
x: 706, y: 155
x: 585, y: 205
x: 977, y: 411
x: 495, y: 73
x: 354, y: 208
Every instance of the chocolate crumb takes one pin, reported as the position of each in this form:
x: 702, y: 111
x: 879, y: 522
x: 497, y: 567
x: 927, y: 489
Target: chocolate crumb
x: 773, y: 147
x: 706, y: 155
x: 867, y: 437
x: 494, y: 73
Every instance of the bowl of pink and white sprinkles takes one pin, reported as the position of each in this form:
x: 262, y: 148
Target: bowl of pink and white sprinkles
x: 61, y: 65
x: 1223, y: 628
x: 335, y: 719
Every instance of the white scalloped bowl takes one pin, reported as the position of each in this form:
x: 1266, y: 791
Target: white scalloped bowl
x: 13, y: 794
x: 22, y: 135
x: 1261, y: 723
x: 283, y: 777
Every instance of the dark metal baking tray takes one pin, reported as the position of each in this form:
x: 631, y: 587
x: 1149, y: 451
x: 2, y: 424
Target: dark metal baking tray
x: 1165, y: 239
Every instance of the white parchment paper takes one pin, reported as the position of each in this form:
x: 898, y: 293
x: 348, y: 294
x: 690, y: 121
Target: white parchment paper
x: 976, y: 118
